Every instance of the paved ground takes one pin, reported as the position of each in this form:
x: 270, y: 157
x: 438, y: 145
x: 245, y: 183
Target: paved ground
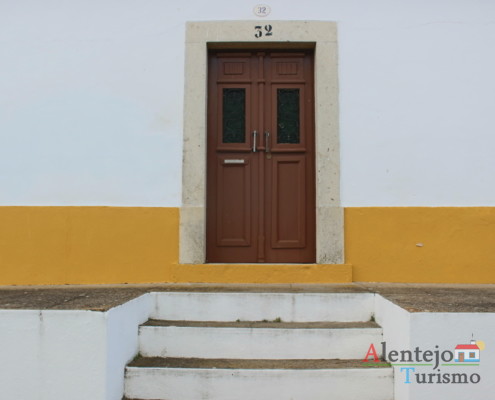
x: 103, y: 297
x: 413, y: 297
x: 277, y: 324
x: 224, y: 363
x: 437, y: 297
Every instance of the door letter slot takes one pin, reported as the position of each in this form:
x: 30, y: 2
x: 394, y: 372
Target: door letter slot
x: 234, y: 161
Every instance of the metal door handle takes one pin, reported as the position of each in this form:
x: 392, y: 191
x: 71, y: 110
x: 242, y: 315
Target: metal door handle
x: 255, y: 134
x: 267, y: 142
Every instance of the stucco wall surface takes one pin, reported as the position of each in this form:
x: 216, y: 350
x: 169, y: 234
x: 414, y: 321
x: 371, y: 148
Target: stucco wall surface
x: 396, y: 324
x: 435, y: 331
x: 52, y: 355
x: 94, y: 245
x: 77, y: 355
x: 447, y: 330
x: 91, y: 99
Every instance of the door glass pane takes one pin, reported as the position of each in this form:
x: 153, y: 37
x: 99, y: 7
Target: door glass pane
x: 287, y: 115
x: 234, y: 115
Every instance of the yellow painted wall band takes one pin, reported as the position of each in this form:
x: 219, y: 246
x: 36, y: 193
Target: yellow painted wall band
x: 93, y: 245
x: 83, y: 245
x: 421, y: 244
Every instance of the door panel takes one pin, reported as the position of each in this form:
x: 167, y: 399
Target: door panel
x: 285, y: 67
x: 234, y: 222
x: 260, y: 168
x: 288, y: 201
x: 236, y: 68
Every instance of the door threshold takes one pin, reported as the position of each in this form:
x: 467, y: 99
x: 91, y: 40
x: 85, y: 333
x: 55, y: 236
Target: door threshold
x: 262, y: 273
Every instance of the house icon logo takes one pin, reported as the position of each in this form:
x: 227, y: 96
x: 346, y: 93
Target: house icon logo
x: 468, y: 353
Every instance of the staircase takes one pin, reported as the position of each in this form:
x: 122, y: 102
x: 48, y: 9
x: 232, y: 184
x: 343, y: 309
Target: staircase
x: 263, y: 346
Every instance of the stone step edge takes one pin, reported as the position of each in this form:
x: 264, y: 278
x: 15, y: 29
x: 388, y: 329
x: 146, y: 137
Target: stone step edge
x: 262, y: 324
x: 252, y: 364
x: 259, y: 288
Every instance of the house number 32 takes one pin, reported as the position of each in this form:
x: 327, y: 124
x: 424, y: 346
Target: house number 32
x: 260, y: 31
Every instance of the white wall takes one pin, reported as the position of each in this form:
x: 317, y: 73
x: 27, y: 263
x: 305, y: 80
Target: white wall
x: 75, y: 355
x: 91, y: 99
x: 52, y: 355
x: 396, y: 325
x: 122, y: 340
x: 403, y: 330
x: 447, y: 330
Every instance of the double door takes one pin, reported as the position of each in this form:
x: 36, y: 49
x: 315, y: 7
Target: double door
x: 260, y: 158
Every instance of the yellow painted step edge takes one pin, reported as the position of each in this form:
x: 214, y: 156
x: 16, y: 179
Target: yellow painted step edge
x: 262, y: 273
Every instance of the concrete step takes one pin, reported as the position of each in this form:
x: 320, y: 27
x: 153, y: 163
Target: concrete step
x: 220, y: 379
x: 251, y: 306
x: 254, y: 340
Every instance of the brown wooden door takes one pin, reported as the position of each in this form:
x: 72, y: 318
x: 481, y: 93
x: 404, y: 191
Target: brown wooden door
x: 260, y: 164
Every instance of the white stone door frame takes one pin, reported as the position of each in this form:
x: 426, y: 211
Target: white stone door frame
x: 322, y: 36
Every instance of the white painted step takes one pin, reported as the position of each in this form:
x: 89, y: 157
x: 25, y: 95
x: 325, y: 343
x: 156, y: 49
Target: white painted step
x: 248, y: 340
x: 261, y: 384
x: 249, y: 306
